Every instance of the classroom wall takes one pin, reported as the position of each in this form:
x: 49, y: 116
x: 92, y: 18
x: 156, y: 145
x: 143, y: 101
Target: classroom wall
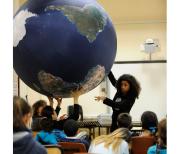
x: 131, y: 33
x: 152, y: 78
x: 131, y: 36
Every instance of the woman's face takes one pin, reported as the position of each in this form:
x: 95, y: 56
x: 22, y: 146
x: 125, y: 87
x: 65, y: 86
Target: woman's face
x: 125, y: 86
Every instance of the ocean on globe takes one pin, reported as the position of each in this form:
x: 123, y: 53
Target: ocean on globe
x: 63, y: 46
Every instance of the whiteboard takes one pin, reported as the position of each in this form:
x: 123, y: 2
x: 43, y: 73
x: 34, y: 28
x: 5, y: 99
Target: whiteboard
x: 152, y: 77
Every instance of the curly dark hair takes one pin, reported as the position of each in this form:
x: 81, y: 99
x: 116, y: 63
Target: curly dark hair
x: 135, y: 87
x: 36, y: 106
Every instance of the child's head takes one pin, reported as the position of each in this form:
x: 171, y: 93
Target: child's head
x: 113, y: 139
x: 149, y: 121
x: 21, y: 114
x: 47, y: 124
x: 38, y: 107
x: 70, y: 127
x: 162, y: 132
x: 124, y: 120
x: 128, y: 85
x: 49, y: 113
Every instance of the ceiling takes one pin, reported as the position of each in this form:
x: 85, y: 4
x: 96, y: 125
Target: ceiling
x: 135, y: 10
x: 130, y: 11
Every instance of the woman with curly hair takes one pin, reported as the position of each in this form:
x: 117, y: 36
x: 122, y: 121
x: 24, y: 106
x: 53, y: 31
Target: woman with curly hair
x: 128, y: 89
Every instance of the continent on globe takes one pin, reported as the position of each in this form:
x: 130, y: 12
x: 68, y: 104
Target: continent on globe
x: 88, y: 20
x: 57, y: 86
x: 63, y: 46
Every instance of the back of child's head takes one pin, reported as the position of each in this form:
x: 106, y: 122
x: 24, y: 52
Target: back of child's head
x: 20, y: 109
x: 37, y: 105
x: 149, y: 121
x: 47, y: 112
x: 47, y: 124
x: 70, y: 127
x: 124, y: 120
x: 162, y: 133
x: 134, y: 85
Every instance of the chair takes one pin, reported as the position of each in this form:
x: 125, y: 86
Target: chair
x: 53, y: 149
x: 70, y: 111
x: 72, y: 147
x: 140, y: 144
x: 34, y: 133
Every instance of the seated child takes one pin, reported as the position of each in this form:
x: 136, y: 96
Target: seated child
x: 161, y: 147
x: 149, y: 122
x: 71, y: 130
x: 46, y: 136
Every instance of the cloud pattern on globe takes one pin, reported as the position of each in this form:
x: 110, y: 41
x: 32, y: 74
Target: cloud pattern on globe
x: 63, y: 46
x: 20, y: 30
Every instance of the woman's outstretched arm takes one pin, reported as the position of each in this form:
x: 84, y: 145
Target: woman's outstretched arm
x: 112, y: 79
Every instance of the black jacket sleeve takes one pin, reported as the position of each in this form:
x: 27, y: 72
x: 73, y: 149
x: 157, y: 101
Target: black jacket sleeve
x: 57, y: 110
x: 112, y: 79
x: 124, y: 105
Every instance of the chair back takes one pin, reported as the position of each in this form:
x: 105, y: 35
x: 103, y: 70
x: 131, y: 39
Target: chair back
x: 53, y: 149
x: 70, y: 110
x: 72, y: 147
x: 140, y: 144
x: 34, y: 133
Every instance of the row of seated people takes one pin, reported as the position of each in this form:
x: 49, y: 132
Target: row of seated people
x: 118, y: 141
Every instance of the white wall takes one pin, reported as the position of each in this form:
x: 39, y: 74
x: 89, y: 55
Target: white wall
x: 131, y: 36
x: 152, y: 77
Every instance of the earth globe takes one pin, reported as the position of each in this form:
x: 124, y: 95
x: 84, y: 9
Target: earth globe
x: 61, y: 46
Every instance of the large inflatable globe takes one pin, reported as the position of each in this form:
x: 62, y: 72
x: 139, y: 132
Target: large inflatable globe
x: 63, y: 46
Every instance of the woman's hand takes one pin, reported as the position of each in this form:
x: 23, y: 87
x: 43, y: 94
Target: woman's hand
x: 99, y: 98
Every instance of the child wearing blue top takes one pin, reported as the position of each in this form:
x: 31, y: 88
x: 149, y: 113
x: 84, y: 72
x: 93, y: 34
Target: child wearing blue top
x: 49, y: 135
x: 161, y: 147
x: 46, y: 136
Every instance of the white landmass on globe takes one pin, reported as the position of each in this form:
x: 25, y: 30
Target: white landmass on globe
x: 19, y: 30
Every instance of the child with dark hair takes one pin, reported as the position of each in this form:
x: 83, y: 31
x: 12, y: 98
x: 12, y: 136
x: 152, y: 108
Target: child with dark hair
x: 46, y: 136
x: 37, y: 111
x: 128, y: 89
x: 161, y: 147
x: 36, y: 117
x: 37, y: 108
x: 149, y: 122
x: 71, y: 130
x: 124, y: 120
x: 23, y: 141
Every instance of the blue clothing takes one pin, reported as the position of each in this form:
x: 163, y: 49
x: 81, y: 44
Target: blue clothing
x: 46, y: 137
x: 59, y: 134
x: 154, y: 150
x: 23, y: 143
